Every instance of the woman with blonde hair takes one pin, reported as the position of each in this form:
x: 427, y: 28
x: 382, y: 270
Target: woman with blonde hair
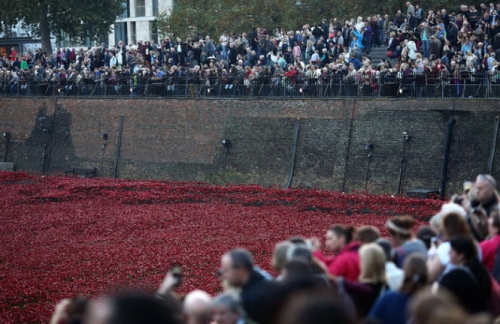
x: 372, y: 281
x: 279, y: 258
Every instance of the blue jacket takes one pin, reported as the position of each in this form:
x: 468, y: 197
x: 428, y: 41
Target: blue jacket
x: 359, y: 40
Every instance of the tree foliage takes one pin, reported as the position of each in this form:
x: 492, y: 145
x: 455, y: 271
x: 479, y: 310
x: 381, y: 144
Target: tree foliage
x: 212, y: 17
x: 75, y: 19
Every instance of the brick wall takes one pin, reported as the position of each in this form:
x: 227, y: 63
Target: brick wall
x: 181, y: 140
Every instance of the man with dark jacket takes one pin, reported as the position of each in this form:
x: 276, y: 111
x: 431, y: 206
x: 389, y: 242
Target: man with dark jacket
x: 237, y: 269
x: 317, y: 31
x: 485, y: 195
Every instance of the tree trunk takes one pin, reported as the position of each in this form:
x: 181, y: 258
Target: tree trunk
x: 45, y: 28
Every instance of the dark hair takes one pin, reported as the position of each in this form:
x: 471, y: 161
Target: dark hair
x: 77, y: 309
x: 466, y: 247
x: 141, y: 309
x: 455, y: 225
x: 299, y: 252
x: 343, y: 231
x: 386, y: 246
x: 495, y: 217
x: 321, y: 310
x: 298, y: 240
x: 367, y: 234
x: 425, y: 234
x: 405, y: 223
x: 241, y: 258
x: 298, y: 269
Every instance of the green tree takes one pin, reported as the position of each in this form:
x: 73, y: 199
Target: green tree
x: 77, y: 19
x: 212, y: 17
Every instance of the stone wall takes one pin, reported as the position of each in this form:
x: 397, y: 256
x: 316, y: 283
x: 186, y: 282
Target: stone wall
x: 180, y: 139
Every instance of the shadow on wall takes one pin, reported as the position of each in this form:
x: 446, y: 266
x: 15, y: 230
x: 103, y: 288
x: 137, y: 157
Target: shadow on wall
x: 49, y: 148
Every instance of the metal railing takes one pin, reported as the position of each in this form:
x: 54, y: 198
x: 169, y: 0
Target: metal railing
x: 335, y: 86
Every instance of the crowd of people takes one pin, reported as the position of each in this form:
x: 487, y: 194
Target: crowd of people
x: 446, y: 272
x: 423, y: 48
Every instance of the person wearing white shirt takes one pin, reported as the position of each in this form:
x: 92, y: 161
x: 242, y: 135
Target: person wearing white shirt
x: 412, y: 48
x: 393, y: 274
x: 450, y: 222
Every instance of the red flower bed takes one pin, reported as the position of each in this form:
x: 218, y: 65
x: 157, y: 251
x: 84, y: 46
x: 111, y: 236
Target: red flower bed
x: 62, y: 237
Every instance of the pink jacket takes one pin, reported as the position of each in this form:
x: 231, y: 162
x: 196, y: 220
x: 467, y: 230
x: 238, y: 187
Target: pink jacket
x: 345, y: 264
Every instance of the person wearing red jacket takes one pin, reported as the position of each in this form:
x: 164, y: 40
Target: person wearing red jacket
x: 13, y: 54
x: 339, y: 239
x: 489, y: 247
x: 291, y: 74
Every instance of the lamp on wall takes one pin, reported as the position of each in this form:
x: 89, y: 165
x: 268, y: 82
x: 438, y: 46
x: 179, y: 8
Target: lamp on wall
x: 227, y: 144
x: 6, y: 138
x: 369, y: 148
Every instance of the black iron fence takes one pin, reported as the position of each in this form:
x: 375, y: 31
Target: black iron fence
x: 333, y: 86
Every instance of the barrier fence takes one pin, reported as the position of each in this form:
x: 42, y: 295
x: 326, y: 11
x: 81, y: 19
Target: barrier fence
x: 385, y: 86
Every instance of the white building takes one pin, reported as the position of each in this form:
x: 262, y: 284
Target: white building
x: 137, y: 22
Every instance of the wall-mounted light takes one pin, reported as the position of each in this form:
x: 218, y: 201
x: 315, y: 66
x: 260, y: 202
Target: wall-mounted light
x: 6, y: 137
x: 369, y: 148
x: 226, y: 143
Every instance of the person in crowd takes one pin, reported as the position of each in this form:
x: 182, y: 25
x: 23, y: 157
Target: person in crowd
x: 372, y: 281
x: 453, y: 225
x: 469, y: 280
x: 366, y: 234
x: 196, y: 307
x: 392, y: 307
x: 393, y: 274
x: 400, y: 231
x: 133, y: 308
x: 430, y: 307
x: 279, y: 258
x: 340, y: 239
x: 426, y: 235
x: 226, y: 309
x: 484, y: 193
x: 313, y: 305
x: 489, y: 247
x: 237, y: 269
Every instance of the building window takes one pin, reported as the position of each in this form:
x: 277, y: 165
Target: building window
x: 66, y: 42
x: 155, y: 8
x: 125, y: 7
x: 121, y: 33
x: 154, y: 31
x: 132, y: 31
x: 140, y: 8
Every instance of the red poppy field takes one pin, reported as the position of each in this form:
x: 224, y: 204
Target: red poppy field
x: 61, y: 237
